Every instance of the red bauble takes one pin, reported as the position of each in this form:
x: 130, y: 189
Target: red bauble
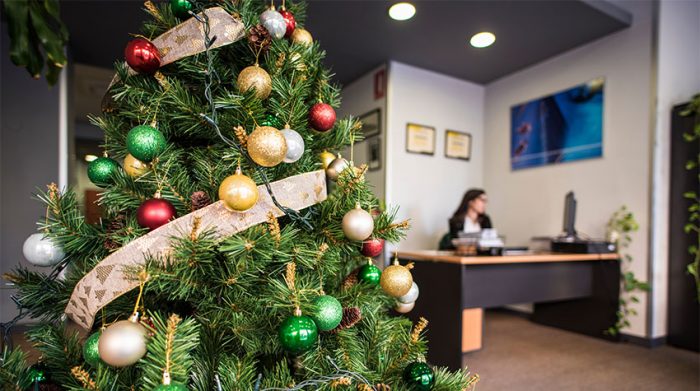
x: 155, y: 212
x: 142, y: 55
x: 372, y: 247
x: 290, y: 21
x: 321, y: 117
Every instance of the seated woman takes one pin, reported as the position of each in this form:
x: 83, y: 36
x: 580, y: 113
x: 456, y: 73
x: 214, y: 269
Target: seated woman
x: 470, y: 217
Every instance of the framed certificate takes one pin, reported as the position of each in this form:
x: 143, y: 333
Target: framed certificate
x: 371, y: 123
x: 458, y: 145
x: 420, y: 139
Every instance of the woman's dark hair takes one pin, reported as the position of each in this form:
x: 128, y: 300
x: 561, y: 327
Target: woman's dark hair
x: 457, y: 220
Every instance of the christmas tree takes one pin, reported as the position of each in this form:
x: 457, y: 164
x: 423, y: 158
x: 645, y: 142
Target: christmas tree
x: 225, y: 260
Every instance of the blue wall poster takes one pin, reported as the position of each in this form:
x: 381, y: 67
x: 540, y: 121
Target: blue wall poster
x: 558, y: 128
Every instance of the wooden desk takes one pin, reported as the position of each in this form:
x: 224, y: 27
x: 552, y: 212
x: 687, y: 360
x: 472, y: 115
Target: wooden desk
x: 575, y: 292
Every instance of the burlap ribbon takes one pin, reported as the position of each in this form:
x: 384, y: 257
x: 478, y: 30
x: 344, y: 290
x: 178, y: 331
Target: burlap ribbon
x: 111, y: 278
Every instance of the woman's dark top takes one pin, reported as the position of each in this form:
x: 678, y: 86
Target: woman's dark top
x: 456, y: 226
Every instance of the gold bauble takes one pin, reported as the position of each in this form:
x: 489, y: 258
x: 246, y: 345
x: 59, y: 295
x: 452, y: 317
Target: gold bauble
x: 267, y: 146
x: 134, y: 167
x: 337, y: 166
x: 326, y: 158
x: 396, y: 280
x: 358, y: 224
x: 238, y: 192
x: 257, y: 78
x: 123, y: 343
x: 302, y: 37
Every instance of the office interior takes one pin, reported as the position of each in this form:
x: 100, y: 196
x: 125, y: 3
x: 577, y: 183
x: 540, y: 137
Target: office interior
x: 523, y: 314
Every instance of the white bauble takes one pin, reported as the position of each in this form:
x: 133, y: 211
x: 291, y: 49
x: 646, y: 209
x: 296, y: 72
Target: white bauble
x: 295, y: 145
x: 122, y: 343
x: 274, y: 22
x: 411, y: 296
x: 358, y: 224
x: 402, y: 308
x: 40, y: 250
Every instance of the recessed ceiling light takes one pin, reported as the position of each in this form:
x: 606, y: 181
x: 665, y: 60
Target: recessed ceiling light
x: 402, y: 11
x: 482, y: 40
x: 89, y: 158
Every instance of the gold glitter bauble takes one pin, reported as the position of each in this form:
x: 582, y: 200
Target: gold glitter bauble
x: 122, y: 343
x: 267, y: 146
x: 396, y: 280
x: 326, y: 158
x: 238, y: 192
x: 134, y: 167
x: 257, y: 78
x: 302, y: 37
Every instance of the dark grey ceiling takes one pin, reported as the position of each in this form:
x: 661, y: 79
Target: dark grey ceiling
x: 358, y: 35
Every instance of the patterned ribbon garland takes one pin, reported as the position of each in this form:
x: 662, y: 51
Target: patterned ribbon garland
x: 111, y: 278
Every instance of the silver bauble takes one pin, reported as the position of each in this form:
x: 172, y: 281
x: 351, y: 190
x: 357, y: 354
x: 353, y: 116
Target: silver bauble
x: 274, y: 22
x: 358, y: 224
x: 411, y: 296
x: 295, y: 145
x: 336, y: 167
x: 123, y: 343
x: 402, y: 308
x: 40, y: 250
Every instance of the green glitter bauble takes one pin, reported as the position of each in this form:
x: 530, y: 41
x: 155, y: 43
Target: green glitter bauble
x: 101, y: 171
x: 171, y: 387
x: 90, y: 352
x: 272, y: 120
x: 419, y: 376
x: 298, y: 334
x: 328, y: 312
x: 369, y: 274
x: 180, y: 8
x: 145, y: 142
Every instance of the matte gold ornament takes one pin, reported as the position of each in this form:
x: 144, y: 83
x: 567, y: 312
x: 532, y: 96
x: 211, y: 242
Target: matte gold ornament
x: 326, y: 158
x: 396, y: 280
x: 358, y: 224
x: 302, y: 37
x: 123, y: 343
x: 267, y: 146
x: 257, y: 78
x: 134, y: 167
x: 337, y: 166
x: 238, y: 192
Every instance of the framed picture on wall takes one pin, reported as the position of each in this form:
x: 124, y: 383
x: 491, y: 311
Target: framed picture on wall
x: 420, y: 139
x: 374, y: 153
x: 371, y: 123
x: 458, y: 145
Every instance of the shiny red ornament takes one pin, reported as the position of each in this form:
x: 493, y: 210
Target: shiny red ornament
x: 142, y: 55
x: 321, y: 117
x: 372, y: 247
x: 155, y: 212
x: 290, y: 21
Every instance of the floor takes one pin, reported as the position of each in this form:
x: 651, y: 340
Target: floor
x: 519, y: 355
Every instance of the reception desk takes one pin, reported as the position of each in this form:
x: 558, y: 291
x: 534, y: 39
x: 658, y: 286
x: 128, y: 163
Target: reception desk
x: 575, y: 292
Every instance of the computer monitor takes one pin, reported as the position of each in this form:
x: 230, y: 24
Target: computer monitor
x: 570, y: 215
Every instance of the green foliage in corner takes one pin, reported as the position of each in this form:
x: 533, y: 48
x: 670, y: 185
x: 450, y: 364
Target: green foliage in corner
x: 692, y: 226
x: 619, y: 229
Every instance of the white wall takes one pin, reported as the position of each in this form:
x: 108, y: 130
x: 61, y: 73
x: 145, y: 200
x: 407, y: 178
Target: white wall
x: 29, y: 159
x: 357, y: 100
x: 678, y: 80
x: 428, y: 188
x: 529, y: 202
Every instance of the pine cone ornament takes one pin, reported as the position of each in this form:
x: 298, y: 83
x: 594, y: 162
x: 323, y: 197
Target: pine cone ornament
x: 259, y: 38
x: 116, y: 225
x: 351, y: 315
x: 199, y: 200
x: 351, y: 279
